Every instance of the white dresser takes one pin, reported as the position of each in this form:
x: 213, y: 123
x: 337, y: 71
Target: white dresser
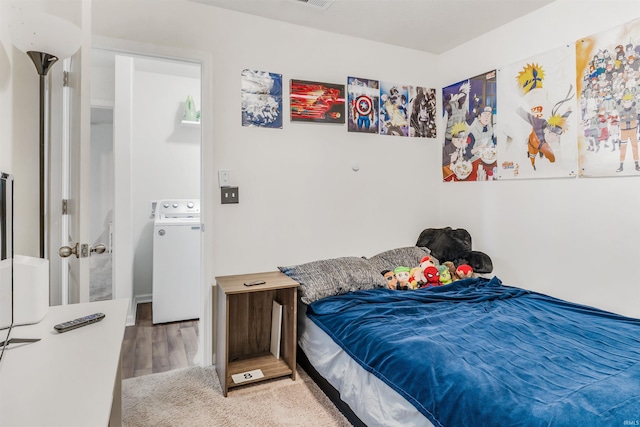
x: 68, y: 379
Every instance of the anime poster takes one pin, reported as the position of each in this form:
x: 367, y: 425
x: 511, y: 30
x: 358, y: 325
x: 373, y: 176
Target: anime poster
x: 363, y: 96
x: 422, y: 112
x: 469, y: 112
x: 394, y: 100
x: 607, y: 85
x: 316, y: 102
x: 261, y: 99
x: 539, y: 123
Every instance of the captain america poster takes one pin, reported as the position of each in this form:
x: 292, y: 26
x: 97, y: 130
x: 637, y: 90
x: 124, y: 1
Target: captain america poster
x: 363, y: 96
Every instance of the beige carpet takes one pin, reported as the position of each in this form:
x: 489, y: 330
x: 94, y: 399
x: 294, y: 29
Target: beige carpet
x: 193, y: 397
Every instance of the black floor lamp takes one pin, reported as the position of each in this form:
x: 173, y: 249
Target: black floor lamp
x: 46, y: 39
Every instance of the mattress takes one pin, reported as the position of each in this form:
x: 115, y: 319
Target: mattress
x: 373, y: 401
x: 478, y: 352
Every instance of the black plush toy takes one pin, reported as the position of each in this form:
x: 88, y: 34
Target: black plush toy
x: 447, y: 244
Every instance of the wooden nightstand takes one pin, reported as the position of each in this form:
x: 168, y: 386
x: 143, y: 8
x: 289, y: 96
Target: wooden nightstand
x: 243, y: 316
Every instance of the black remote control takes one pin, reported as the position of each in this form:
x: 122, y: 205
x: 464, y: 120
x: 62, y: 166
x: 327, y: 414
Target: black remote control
x: 81, y: 321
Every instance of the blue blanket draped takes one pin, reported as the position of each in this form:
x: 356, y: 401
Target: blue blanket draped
x: 479, y: 353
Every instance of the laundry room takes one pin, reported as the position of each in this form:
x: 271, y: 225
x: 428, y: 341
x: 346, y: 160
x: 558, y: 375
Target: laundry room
x: 145, y: 172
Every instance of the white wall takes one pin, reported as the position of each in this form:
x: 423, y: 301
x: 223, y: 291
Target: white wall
x: 299, y: 198
x: 570, y: 238
x: 6, y: 93
x: 165, y: 154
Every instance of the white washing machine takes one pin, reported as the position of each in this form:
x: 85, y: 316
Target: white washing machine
x: 176, y: 261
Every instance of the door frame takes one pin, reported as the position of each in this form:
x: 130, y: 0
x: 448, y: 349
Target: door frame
x: 123, y: 278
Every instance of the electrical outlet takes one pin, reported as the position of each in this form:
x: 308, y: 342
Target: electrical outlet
x: 229, y: 195
x: 224, y: 178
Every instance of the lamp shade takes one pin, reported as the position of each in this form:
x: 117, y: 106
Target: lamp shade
x: 35, y: 31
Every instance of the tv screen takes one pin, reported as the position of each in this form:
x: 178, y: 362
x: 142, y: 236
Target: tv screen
x: 6, y: 258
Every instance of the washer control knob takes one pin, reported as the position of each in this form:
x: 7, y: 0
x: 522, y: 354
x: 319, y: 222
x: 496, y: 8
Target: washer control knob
x: 190, y: 205
x: 166, y: 205
x: 161, y: 232
x: 175, y: 205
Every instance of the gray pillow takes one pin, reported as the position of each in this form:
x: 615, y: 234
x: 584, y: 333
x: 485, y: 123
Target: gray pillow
x: 323, y: 278
x: 409, y: 257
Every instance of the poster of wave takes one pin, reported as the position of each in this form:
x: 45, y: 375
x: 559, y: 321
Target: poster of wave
x: 538, y: 130
x: 317, y: 102
x: 607, y: 84
x: 422, y: 112
x: 363, y: 96
x: 469, y: 111
x: 261, y: 99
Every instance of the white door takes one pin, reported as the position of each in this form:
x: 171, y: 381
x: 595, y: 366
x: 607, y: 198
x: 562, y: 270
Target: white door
x: 79, y: 180
x: 69, y: 172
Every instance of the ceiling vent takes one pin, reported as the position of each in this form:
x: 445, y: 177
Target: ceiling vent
x: 318, y: 4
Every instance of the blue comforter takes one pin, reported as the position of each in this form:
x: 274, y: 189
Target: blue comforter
x: 479, y: 353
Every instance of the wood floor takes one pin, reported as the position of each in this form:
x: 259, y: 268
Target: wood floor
x: 149, y: 348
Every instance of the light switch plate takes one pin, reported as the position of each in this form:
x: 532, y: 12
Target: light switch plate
x: 229, y: 195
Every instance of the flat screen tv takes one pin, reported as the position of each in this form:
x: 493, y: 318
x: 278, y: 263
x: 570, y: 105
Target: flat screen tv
x: 6, y: 259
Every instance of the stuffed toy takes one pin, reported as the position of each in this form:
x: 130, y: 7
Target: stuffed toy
x: 390, y: 277
x: 464, y: 271
x: 433, y: 277
x: 427, y: 261
x: 415, y: 278
x: 402, y: 274
x: 452, y: 270
x: 454, y: 245
x: 445, y: 275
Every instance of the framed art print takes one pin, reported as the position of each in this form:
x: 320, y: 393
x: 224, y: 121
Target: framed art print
x: 363, y: 98
x: 317, y: 102
x: 261, y: 99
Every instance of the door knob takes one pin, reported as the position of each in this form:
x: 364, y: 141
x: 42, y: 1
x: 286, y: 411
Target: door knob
x: 99, y: 248
x: 66, y: 251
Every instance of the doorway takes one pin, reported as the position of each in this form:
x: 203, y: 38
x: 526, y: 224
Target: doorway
x: 142, y: 151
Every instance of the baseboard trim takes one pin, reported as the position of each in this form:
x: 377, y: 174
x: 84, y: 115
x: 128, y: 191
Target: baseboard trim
x: 138, y: 299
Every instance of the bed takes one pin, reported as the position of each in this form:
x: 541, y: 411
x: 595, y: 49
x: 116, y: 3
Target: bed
x: 475, y: 352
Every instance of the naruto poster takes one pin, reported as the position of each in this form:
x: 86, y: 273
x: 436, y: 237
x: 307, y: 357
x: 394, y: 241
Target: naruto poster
x: 539, y: 117
x: 607, y: 84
